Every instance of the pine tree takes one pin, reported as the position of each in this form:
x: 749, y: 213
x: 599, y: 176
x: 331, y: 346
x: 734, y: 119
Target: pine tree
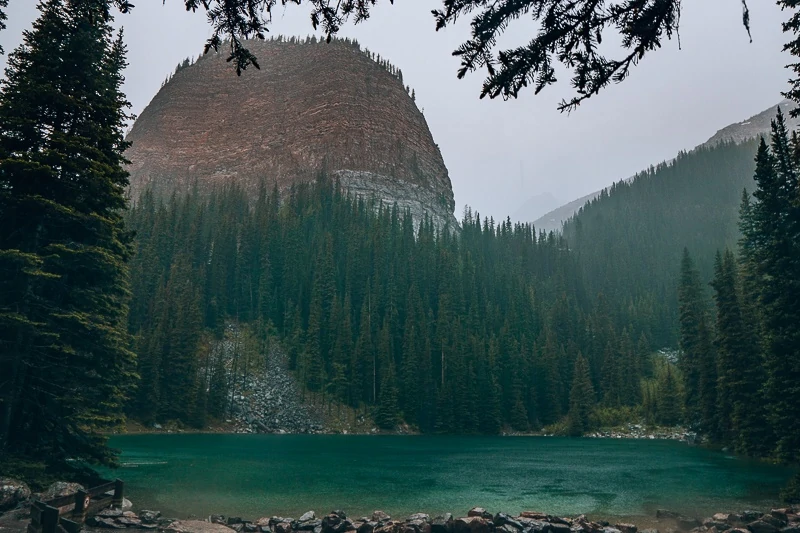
x: 581, y: 399
x: 66, y: 362
x: 771, y: 242
x: 668, y: 409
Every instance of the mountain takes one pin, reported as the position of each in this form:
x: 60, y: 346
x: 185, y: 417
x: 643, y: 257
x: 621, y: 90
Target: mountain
x: 535, y: 206
x: 312, y: 107
x: 738, y: 132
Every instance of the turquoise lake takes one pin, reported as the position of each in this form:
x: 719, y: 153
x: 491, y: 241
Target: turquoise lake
x: 264, y: 475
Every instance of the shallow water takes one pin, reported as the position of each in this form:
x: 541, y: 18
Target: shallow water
x: 264, y: 475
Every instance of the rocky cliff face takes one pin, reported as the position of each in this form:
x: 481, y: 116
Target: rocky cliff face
x: 312, y: 107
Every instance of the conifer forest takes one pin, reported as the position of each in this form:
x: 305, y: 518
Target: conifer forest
x: 672, y: 299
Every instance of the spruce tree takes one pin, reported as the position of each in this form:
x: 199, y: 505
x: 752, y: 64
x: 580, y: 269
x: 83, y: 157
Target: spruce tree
x: 581, y: 399
x: 66, y: 358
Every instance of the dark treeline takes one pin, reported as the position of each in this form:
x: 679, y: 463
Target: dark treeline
x: 630, y: 238
x: 742, y: 361
x: 466, y: 331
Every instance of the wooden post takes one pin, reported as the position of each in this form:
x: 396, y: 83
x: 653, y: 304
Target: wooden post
x: 116, y: 501
x: 44, y: 518
x: 81, y: 506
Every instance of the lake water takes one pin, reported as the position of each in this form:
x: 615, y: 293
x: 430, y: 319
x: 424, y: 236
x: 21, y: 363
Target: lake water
x: 264, y: 475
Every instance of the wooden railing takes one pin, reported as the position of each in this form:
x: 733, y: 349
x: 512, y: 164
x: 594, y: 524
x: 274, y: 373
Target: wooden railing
x: 46, y: 516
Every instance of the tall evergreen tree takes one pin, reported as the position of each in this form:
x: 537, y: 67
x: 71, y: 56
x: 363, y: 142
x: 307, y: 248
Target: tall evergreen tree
x: 66, y: 361
x: 581, y: 399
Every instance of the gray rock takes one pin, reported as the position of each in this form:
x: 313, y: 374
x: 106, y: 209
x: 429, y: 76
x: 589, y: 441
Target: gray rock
x: 751, y: 516
x: 110, y: 513
x: 108, y: 523
x: 441, y: 524
x: 719, y: 526
x: 760, y: 526
x: 419, y: 516
x: 367, y: 527
x: 472, y: 524
x: 380, y: 516
x: 687, y: 524
x: 308, y: 515
x: 149, y: 517
x: 502, y: 519
x: 772, y: 520
x: 233, y: 520
x: 480, y: 511
x: 13, y: 492
x: 560, y: 528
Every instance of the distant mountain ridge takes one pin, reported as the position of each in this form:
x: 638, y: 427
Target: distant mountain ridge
x: 738, y: 132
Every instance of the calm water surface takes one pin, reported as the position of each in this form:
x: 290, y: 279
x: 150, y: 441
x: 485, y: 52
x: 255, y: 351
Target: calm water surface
x: 263, y: 475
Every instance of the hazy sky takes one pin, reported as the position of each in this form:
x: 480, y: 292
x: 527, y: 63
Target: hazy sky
x: 501, y: 153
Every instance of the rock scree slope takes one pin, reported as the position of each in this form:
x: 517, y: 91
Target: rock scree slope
x: 312, y: 107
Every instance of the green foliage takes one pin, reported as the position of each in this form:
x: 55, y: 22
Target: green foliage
x: 581, y: 399
x: 791, y: 493
x: 64, y: 352
x: 456, y: 332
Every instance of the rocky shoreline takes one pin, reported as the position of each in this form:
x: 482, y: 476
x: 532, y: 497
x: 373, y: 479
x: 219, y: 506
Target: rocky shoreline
x: 477, y: 520
x: 15, y: 500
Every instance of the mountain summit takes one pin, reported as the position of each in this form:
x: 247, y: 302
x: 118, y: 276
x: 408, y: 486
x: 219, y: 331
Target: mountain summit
x: 312, y: 108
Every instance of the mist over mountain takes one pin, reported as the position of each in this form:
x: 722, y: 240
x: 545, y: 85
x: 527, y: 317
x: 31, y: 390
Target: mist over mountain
x: 758, y: 124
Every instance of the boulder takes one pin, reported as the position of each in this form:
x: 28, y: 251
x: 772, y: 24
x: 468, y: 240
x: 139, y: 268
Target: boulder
x: 718, y: 525
x: 283, y: 527
x: 250, y: 527
x: 781, y: 514
x: 721, y: 517
x: 481, y: 512
x: 336, y: 522
x: 761, y: 526
x: 58, y: 489
x: 533, y: 514
x: 110, y: 513
x: 419, y: 516
x: 197, y: 526
x: 502, y: 519
x: 367, y: 527
x: 561, y: 528
x: 218, y: 519
x: 13, y: 492
x: 687, y: 524
x: 129, y: 521
x: 472, y: 524
x: 751, y: 516
x: 534, y: 526
x: 149, y: 517
x: 308, y: 515
x: 106, y: 523
x: 773, y: 520
x: 263, y: 522
x: 441, y: 524
x: 609, y: 529
x: 233, y: 520
x: 380, y: 516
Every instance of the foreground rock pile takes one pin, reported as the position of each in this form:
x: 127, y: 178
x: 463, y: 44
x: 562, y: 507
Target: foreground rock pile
x: 478, y: 520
